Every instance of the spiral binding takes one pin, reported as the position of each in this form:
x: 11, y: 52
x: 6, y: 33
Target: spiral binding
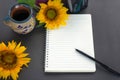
x: 47, y: 49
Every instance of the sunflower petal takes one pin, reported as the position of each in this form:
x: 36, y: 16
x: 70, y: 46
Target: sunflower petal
x: 11, y: 45
x: 43, y: 5
x: 22, y: 55
x: 5, y: 74
x: 20, y: 49
x: 1, y: 69
x: 14, y: 75
x: 3, y: 46
x: 24, y: 61
x: 18, y: 45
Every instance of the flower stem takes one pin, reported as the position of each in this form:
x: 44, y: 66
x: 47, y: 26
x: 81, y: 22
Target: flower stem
x: 37, y: 8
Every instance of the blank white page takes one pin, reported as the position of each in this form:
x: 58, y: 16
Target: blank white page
x: 60, y: 53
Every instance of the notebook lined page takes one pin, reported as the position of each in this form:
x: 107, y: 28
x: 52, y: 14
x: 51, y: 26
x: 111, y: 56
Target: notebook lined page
x: 61, y: 43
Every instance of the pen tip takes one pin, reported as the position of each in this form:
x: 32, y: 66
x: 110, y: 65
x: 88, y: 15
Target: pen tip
x: 76, y: 49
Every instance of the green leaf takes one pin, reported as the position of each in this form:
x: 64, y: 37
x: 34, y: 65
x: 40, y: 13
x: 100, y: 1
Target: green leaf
x: 40, y: 25
x: 29, y: 2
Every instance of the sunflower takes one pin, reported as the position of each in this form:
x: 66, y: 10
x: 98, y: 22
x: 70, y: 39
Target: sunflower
x: 12, y: 58
x: 53, y: 14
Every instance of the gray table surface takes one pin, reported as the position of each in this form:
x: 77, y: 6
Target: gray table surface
x: 106, y: 29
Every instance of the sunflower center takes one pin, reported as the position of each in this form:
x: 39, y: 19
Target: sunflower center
x: 51, y: 13
x: 7, y: 59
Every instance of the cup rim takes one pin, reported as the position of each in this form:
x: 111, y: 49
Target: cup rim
x: 25, y: 5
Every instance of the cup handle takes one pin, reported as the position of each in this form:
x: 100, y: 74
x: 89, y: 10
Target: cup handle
x: 6, y: 20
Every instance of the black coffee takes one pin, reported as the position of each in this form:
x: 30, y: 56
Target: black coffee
x: 20, y: 14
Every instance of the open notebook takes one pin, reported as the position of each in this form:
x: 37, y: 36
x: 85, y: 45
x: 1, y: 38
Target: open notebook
x: 60, y: 53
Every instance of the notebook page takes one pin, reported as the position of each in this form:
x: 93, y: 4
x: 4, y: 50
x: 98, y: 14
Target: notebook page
x: 61, y: 43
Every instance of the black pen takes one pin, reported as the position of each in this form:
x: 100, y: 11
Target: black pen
x: 103, y: 65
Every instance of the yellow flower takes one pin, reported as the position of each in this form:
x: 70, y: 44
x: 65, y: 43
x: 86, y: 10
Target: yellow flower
x: 53, y: 14
x: 12, y: 58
